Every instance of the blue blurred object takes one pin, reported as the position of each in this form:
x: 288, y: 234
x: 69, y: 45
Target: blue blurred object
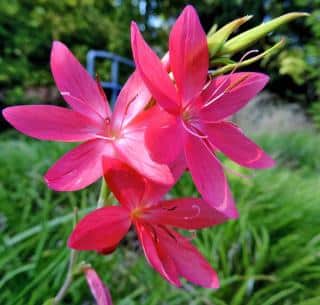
x: 116, y: 60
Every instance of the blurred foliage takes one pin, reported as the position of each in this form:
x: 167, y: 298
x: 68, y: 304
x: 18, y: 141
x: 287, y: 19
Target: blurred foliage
x: 269, y: 256
x: 27, y: 29
x: 315, y: 112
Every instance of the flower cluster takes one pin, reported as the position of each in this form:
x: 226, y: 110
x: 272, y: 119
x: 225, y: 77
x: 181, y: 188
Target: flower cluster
x: 169, y: 117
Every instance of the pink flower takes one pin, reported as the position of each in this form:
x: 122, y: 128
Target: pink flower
x: 89, y: 120
x: 168, y: 252
x: 98, y: 289
x: 192, y: 110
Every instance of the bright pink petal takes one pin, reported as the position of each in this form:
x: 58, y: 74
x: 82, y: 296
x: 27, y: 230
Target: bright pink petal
x: 157, y: 259
x: 51, y: 123
x: 189, y: 56
x: 189, y: 262
x: 230, y: 140
x: 132, y: 149
x: 168, y: 264
x: 79, y: 167
x: 155, y: 192
x: 185, y: 213
x: 102, y: 228
x: 100, y: 292
x: 131, y: 188
x: 164, y: 137
x: 208, y: 176
x: 241, y: 87
x: 125, y: 183
x: 132, y: 99
x: 153, y: 73
x: 78, y: 88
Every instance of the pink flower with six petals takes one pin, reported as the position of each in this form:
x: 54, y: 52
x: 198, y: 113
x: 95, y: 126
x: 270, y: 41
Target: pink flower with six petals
x: 89, y: 120
x: 168, y: 252
x: 192, y: 110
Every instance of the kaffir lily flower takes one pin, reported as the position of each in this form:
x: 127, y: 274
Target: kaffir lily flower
x: 192, y: 110
x: 168, y: 252
x: 89, y: 120
x: 99, y: 291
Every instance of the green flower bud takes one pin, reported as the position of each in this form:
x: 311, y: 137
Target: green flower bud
x: 216, y: 39
x: 247, y: 38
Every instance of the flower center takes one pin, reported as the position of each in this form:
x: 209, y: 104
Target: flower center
x: 186, y: 116
x: 107, y: 133
x: 136, y: 213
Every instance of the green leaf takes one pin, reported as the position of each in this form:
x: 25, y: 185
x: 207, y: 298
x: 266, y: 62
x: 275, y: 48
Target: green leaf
x: 49, y: 302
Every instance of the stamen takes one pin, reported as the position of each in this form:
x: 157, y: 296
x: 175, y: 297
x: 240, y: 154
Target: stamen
x: 237, y: 82
x: 227, y: 79
x: 192, y: 132
x: 105, y: 138
x: 214, y: 99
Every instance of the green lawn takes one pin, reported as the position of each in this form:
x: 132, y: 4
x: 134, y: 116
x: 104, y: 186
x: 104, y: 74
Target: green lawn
x: 271, y: 255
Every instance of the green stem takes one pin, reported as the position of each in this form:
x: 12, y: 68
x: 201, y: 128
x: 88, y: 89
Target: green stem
x: 63, y: 290
x: 72, y: 262
x: 104, y: 194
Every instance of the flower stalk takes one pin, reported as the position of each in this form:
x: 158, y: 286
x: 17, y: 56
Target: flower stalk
x: 69, y: 278
x: 103, y: 195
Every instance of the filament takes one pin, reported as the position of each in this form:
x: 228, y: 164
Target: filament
x: 105, y: 138
x: 227, y: 79
x: 192, y: 132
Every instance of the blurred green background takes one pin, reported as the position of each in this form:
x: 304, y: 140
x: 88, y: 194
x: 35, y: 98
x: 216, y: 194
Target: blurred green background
x: 27, y: 29
x: 270, y: 256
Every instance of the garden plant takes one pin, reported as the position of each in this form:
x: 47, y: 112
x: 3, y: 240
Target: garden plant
x: 171, y: 123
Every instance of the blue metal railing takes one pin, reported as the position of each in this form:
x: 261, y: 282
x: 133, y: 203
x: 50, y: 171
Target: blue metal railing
x: 116, y: 60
